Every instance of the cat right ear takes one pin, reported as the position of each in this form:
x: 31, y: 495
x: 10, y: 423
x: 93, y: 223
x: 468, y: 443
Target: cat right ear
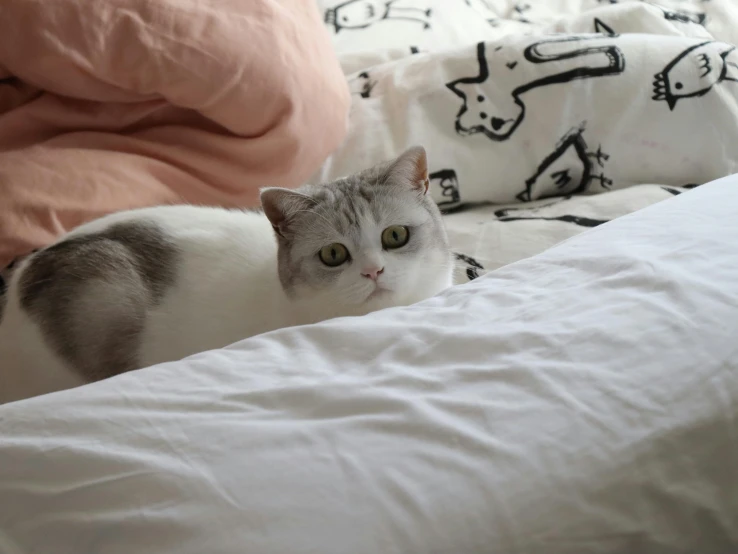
x: 411, y: 167
x: 280, y: 205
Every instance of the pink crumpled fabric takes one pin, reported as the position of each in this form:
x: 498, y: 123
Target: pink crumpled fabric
x: 115, y: 104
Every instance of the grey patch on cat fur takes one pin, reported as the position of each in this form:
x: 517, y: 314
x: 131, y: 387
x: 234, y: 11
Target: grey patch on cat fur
x: 5, y: 275
x: 3, y: 296
x: 89, y: 294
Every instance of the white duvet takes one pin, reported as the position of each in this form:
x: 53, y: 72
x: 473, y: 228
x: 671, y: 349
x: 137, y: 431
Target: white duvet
x: 581, y: 401
x: 571, y: 101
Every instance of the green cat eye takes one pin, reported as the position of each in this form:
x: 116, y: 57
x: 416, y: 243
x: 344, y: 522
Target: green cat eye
x: 395, y: 236
x: 334, y: 254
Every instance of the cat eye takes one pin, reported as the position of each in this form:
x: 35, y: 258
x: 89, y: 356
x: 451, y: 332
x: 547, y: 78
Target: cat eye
x: 334, y: 254
x: 395, y: 236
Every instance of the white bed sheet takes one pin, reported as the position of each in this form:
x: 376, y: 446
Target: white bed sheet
x: 560, y: 131
x: 581, y: 401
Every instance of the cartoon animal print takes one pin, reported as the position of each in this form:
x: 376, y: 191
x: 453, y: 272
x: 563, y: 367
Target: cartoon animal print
x: 483, y: 8
x: 362, y: 85
x: 496, y: 110
x: 360, y: 14
x: 603, y: 28
x: 569, y: 169
x: 676, y: 191
x: 472, y: 265
x: 694, y: 72
x: 519, y: 13
x: 681, y: 16
x: 486, y: 10
x: 447, y: 182
x: 523, y: 214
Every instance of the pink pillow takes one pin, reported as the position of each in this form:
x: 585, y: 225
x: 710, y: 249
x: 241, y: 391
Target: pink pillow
x: 116, y: 104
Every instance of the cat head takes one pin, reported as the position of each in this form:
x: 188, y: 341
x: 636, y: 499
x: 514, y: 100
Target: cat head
x: 371, y: 240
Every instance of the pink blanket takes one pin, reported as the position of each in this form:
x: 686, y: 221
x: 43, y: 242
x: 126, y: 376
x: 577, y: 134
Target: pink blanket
x: 113, y: 104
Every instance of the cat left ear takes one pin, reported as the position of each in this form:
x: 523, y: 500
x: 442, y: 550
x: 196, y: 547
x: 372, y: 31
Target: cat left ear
x: 411, y: 167
x: 280, y: 206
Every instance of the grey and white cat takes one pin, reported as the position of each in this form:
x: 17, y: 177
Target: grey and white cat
x: 158, y: 284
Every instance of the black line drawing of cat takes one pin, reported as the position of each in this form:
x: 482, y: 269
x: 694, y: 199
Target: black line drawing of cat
x: 361, y: 14
x: 498, y: 117
x: 447, y: 182
x: 472, y: 265
x: 694, y: 72
x: 568, y: 170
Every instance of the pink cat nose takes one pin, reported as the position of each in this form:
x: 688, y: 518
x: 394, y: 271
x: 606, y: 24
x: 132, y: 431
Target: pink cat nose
x: 372, y: 273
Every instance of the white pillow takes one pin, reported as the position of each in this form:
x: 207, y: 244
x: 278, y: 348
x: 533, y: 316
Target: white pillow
x: 581, y: 401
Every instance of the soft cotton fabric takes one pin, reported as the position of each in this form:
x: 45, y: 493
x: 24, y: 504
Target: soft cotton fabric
x: 600, y: 108
x: 579, y: 402
x: 109, y: 105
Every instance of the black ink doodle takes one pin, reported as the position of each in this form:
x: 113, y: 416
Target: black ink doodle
x: 569, y: 169
x: 582, y: 221
x: 472, y: 265
x: 681, y: 16
x: 694, y: 72
x: 676, y: 191
x: 603, y: 28
x: 485, y: 9
x: 519, y: 13
x: 496, y: 111
x: 361, y: 14
x: 362, y: 85
x: 448, y: 183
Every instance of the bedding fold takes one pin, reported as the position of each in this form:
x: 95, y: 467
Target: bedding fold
x: 113, y: 105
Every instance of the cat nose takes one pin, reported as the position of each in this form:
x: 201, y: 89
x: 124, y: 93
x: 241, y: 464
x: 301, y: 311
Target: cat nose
x: 372, y: 273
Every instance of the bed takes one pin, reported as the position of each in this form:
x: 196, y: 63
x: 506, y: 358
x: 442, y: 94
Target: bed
x: 582, y: 401
x: 577, y: 392
x: 560, y: 114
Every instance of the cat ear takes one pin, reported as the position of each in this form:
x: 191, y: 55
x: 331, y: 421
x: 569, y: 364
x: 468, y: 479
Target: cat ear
x: 411, y: 168
x: 280, y: 205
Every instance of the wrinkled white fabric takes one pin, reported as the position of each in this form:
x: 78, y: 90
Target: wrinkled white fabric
x: 582, y: 401
x: 519, y: 100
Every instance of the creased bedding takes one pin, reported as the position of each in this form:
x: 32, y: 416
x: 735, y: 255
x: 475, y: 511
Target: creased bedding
x: 109, y: 105
x: 563, y: 114
x: 582, y: 401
